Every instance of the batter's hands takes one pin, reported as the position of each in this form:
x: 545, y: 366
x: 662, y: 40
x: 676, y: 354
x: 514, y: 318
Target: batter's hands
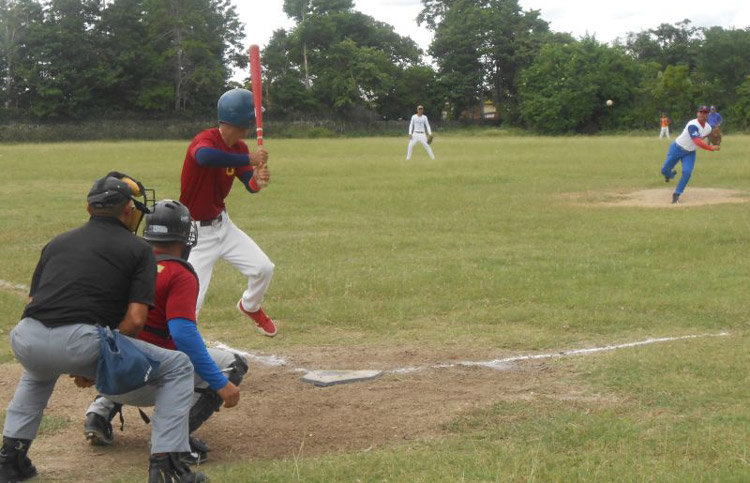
x: 81, y: 381
x: 260, y: 156
x: 230, y: 394
x: 261, y: 174
x: 716, y: 148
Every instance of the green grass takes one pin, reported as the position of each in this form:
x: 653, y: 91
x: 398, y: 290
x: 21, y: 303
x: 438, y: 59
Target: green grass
x: 477, y: 250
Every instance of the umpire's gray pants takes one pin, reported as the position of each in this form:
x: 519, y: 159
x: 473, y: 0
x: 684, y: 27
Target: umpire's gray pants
x: 46, y: 353
x: 146, y: 395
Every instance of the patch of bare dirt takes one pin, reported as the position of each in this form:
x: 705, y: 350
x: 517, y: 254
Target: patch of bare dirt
x: 281, y: 417
x: 660, y: 198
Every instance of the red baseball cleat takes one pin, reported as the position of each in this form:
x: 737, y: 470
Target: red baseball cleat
x: 263, y: 322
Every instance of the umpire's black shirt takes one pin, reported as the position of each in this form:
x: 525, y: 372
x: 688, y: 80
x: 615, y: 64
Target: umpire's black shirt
x: 89, y: 275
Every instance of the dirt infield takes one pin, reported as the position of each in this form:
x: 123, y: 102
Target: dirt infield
x: 281, y: 417
x: 659, y: 198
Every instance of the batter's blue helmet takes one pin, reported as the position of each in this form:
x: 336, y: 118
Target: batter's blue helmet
x: 236, y: 107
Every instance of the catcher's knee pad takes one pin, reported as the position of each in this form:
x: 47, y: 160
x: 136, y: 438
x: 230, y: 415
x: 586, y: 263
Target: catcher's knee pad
x: 209, y: 401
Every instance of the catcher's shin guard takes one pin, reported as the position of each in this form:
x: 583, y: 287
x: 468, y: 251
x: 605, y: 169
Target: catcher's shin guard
x: 209, y: 402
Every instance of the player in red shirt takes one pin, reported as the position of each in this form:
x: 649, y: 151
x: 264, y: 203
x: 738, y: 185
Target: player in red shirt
x: 171, y: 325
x: 214, y: 159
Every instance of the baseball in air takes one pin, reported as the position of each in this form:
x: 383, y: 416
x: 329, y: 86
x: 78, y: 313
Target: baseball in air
x: 610, y: 102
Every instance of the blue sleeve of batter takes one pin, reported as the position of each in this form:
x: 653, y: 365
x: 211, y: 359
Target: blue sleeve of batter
x: 694, y: 131
x: 186, y: 337
x: 245, y: 178
x: 216, y: 158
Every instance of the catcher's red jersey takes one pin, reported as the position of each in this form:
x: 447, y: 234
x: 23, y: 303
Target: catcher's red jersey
x: 176, y: 293
x: 203, y: 189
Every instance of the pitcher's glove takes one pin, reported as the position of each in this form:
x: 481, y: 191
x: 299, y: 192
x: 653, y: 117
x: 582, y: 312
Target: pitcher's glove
x: 715, y: 137
x: 429, y: 139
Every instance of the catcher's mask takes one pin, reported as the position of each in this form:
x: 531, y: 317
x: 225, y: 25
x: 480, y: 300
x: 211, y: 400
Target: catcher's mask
x: 170, y: 221
x: 115, y: 187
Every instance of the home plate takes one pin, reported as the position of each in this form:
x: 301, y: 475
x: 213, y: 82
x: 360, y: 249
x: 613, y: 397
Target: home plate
x: 329, y: 378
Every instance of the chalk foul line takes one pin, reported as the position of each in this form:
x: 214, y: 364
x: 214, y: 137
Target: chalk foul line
x: 7, y: 286
x: 272, y: 360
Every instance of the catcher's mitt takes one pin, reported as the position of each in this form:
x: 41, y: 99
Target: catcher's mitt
x: 715, y: 137
x: 429, y: 139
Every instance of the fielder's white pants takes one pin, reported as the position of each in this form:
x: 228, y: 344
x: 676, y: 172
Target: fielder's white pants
x: 419, y: 138
x: 224, y: 240
x: 664, y: 132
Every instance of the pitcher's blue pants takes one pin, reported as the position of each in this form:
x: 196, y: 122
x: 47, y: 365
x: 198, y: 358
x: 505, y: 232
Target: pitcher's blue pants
x: 674, y: 155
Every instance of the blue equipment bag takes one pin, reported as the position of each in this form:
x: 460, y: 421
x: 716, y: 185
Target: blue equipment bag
x: 122, y: 366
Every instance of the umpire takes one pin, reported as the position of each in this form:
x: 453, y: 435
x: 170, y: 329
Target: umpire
x: 100, y: 273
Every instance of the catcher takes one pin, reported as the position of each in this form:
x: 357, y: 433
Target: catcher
x: 171, y: 324
x: 715, y: 120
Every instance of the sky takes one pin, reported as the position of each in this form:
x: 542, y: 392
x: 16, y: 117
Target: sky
x: 605, y: 19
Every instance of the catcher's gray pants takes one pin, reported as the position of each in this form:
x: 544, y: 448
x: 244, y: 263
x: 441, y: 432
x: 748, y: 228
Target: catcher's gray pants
x: 46, y: 353
x: 146, y: 395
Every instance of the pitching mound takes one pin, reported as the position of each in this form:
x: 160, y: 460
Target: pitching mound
x: 661, y: 198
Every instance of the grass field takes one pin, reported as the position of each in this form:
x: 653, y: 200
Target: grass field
x: 481, y: 251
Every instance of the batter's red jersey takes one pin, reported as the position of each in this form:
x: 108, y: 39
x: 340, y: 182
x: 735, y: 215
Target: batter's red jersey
x: 176, y: 293
x: 202, y: 188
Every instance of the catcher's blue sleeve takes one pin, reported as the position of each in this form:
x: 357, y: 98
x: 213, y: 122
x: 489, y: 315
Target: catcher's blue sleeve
x: 186, y: 337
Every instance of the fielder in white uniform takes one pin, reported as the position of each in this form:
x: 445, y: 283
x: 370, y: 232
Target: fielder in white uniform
x: 419, y: 129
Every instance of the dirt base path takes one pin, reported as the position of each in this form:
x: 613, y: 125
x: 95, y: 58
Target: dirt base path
x: 281, y: 417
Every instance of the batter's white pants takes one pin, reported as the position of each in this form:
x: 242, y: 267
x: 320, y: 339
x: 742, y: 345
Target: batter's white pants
x: 419, y: 138
x: 664, y: 132
x: 224, y: 240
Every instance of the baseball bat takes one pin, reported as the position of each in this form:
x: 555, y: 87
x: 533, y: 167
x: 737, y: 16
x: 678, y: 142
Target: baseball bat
x: 257, y: 96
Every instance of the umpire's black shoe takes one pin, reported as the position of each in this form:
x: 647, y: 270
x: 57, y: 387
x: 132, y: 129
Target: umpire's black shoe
x: 14, y: 464
x: 675, y: 198
x: 198, y: 452
x: 98, y: 430
x: 169, y: 469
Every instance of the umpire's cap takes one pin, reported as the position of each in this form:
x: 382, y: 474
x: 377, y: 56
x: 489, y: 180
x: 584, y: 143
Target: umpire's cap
x: 236, y: 107
x: 109, y: 191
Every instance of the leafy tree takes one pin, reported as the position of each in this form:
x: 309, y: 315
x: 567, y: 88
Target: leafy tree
x: 481, y: 46
x: 20, y: 25
x: 567, y: 86
x: 70, y: 76
x: 723, y: 64
x: 198, y: 42
x: 346, y: 59
x: 739, y: 111
x: 666, y: 44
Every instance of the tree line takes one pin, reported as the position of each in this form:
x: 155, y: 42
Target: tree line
x: 74, y: 59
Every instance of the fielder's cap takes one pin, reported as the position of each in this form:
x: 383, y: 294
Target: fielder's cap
x: 703, y: 109
x: 109, y: 191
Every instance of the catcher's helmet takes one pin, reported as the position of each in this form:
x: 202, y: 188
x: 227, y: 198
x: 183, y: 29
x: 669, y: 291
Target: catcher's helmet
x: 170, y: 221
x: 236, y: 107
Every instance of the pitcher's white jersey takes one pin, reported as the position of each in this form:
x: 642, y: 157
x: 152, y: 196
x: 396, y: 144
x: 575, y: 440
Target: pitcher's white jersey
x: 693, y: 129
